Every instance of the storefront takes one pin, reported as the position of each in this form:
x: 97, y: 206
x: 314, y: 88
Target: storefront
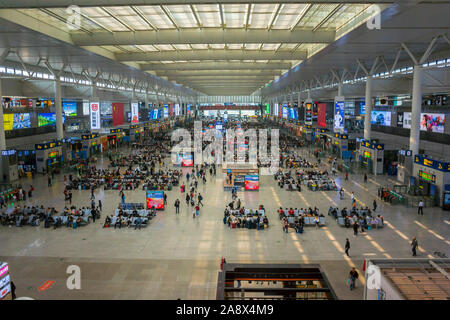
x: 26, y: 160
x: 49, y: 156
x: 136, y: 132
x: 91, y: 144
x: 430, y: 178
x: 115, y: 138
x: 76, y: 148
x: 371, y: 157
x: 9, y: 166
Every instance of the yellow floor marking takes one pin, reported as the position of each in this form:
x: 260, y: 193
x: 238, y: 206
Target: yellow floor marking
x: 303, y: 198
x: 341, y: 250
x: 374, y: 182
x: 329, y: 199
x: 432, y: 232
x: 276, y: 197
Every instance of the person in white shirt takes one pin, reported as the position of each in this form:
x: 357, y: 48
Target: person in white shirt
x: 420, y: 211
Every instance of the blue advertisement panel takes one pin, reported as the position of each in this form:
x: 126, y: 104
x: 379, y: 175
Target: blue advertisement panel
x: 339, y: 115
x: 362, y: 107
x: 382, y: 118
x: 69, y: 108
x: 166, y: 111
x: 285, y: 111
x: 21, y: 121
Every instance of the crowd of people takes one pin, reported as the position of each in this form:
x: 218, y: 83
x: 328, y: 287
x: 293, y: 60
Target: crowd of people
x: 34, y: 215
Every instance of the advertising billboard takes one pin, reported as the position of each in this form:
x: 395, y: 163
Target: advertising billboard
x: 8, y: 119
x: 400, y: 116
x: 166, y: 110
x: 95, y: 115
x: 308, y: 113
x: 322, y: 115
x: 267, y: 108
x: 177, y: 109
x: 85, y: 107
x: 381, y: 118
x: 155, y: 199
x: 21, y: 121
x: 251, y: 182
x: 432, y: 122
x: 188, y: 108
x: 339, y: 115
x: 285, y: 111
x: 186, y: 160
x: 69, y: 108
x: 134, y: 112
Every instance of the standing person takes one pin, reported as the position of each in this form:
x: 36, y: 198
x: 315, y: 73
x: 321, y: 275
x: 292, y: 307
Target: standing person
x: 353, y: 197
x: 353, y: 276
x: 93, y: 213
x: 165, y: 198
x: 365, y: 178
x: 123, y: 197
x: 200, y: 198
x: 355, y: 228
x: 346, y: 176
x: 347, y: 247
x: 49, y: 181
x: 420, y: 211
x: 92, y: 193
x: 187, y: 199
x: 414, y: 246
x: 197, y: 210
x: 100, y: 204
x: 177, y: 206
x: 374, y: 205
x: 70, y: 197
x: 30, y: 193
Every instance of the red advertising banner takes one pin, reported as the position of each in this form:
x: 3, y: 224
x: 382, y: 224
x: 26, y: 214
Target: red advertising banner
x: 118, y: 114
x: 322, y: 115
x: 171, y: 109
x: 280, y: 110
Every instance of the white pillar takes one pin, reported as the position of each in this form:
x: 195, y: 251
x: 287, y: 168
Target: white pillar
x: 367, y: 115
x: 309, y: 93
x: 291, y: 100
x: 2, y: 127
x: 146, y: 100
x: 94, y: 90
x: 339, y: 89
x: 58, y: 107
x: 299, y: 98
x: 416, y: 108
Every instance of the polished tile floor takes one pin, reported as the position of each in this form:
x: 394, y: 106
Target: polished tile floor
x: 177, y: 256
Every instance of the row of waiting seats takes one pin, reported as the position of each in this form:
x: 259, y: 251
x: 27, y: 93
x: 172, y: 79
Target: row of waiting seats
x: 129, y: 212
x: 132, y: 220
x: 371, y: 222
x: 247, y: 212
x: 308, y: 221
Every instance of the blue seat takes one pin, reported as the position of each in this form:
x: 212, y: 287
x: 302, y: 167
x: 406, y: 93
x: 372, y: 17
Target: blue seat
x: 341, y: 221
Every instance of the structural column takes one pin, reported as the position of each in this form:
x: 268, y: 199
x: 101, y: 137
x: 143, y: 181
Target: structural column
x: 58, y: 107
x: 146, y: 100
x: 416, y: 108
x: 2, y: 127
x: 340, y: 89
x: 368, y: 112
